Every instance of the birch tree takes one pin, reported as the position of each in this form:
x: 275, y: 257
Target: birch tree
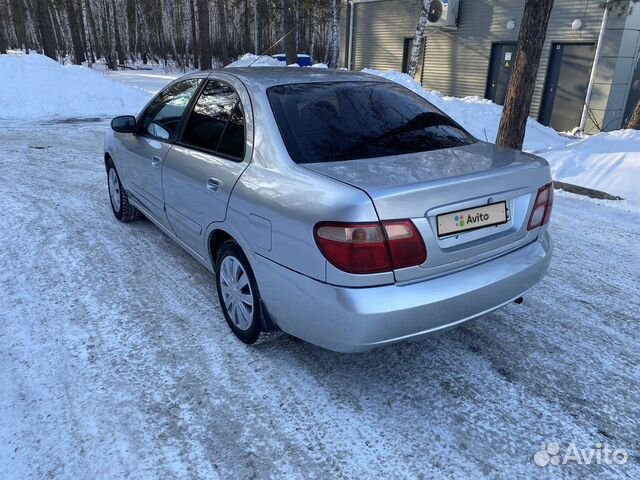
x: 335, y: 33
x: 417, y: 39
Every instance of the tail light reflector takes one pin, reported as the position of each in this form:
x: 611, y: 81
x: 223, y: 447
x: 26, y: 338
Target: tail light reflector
x: 370, y: 247
x: 405, y: 243
x: 542, y: 207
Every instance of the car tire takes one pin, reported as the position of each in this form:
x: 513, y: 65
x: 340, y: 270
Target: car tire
x: 122, y: 209
x: 239, y: 296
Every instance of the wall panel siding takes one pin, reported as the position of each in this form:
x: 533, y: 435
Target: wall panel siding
x: 456, y: 62
x: 379, y: 32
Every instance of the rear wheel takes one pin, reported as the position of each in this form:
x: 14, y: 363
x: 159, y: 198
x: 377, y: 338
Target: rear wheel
x: 122, y: 209
x: 238, y: 294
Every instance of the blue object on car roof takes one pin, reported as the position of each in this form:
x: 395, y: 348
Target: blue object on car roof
x: 304, y: 60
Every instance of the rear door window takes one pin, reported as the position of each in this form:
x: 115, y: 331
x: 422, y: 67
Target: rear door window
x: 163, y: 115
x: 337, y: 121
x: 216, y: 123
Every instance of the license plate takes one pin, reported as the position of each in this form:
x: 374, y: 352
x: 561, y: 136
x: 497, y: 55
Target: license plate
x: 472, y: 219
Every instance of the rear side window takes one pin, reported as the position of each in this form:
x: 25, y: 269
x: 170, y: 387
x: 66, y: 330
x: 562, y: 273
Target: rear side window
x: 163, y: 115
x: 216, y: 123
x: 337, y: 121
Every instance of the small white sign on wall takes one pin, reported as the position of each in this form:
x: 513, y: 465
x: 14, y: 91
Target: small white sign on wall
x: 507, y: 56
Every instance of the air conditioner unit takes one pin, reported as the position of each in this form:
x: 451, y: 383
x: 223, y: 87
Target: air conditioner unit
x: 443, y: 13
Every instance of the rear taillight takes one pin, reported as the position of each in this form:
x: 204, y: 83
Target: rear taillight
x: 542, y: 207
x: 370, y: 247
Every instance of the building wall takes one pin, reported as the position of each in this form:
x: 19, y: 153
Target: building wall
x: 456, y: 62
x: 379, y: 32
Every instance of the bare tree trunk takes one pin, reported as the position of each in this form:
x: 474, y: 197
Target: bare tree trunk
x: 44, y: 26
x: 289, y: 26
x: 96, y: 50
x: 224, y: 33
x: 256, y: 26
x: 194, y: 38
x: 246, y: 27
x: 76, y: 37
x: 314, y: 31
x: 87, y: 33
x: 118, y: 41
x: 335, y: 33
x: 3, y: 37
x: 417, y: 39
x: 204, y: 34
x: 517, y: 103
x: 19, y: 14
x: 634, y: 120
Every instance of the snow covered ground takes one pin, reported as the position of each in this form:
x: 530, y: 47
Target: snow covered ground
x: 115, y: 360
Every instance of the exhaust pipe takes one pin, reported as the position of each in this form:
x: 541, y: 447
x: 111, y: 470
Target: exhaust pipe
x: 519, y: 300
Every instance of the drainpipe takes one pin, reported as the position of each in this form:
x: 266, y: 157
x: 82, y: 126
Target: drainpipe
x: 592, y: 77
x: 351, y: 13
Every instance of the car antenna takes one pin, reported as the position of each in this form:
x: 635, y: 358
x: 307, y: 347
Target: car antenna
x: 277, y: 42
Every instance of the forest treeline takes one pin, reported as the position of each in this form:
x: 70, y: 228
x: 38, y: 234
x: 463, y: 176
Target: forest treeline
x: 187, y: 33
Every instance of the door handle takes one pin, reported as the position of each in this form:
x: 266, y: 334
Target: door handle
x: 213, y: 184
x: 155, y: 160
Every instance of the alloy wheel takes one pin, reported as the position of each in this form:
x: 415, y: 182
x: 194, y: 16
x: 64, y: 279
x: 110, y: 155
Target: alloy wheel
x: 236, y: 292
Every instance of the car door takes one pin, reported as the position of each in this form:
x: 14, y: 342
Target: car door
x: 203, y: 166
x: 144, y: 152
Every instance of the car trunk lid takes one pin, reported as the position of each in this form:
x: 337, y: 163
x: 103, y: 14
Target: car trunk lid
x: 425, y: 185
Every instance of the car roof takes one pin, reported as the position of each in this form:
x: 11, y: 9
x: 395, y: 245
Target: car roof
x: 270, y: 76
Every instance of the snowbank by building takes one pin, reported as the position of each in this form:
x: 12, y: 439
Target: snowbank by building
x: 608, y: 161
x: 34, y: 86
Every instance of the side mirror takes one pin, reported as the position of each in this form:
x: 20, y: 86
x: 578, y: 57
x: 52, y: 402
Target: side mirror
x: 124, y: 124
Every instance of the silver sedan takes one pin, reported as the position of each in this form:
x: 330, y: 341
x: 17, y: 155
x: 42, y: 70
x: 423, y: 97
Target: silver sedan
x: 337, y: 207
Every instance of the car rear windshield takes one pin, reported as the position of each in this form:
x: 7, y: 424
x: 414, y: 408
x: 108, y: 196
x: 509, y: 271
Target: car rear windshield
x: 337, y: 121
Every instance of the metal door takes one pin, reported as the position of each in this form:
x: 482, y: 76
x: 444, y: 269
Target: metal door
x: 145, y: 152
x: 202, y: 168
x: 503, y: 55
x: 566, y: 85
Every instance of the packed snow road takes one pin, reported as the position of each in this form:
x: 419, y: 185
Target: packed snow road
x: 115, y: 361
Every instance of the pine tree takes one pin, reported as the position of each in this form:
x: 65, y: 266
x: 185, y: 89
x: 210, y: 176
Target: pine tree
x: 517, y: 103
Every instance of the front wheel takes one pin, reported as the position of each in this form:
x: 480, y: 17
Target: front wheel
x: 122, y: 209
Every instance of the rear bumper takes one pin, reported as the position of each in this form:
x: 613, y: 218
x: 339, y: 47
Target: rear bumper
x: 357, y: 319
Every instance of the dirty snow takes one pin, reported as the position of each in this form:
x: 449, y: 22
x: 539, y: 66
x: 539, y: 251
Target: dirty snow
x: 115, y: 360
x: 34, y: 86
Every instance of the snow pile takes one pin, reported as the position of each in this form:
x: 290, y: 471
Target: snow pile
x: 608, y: 161
x: 249, y: 59
x: 477, y: 115
x: 34, y: 86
